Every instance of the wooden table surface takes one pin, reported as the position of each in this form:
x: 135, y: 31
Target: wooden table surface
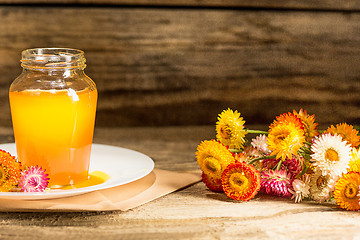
x: 190, y: 213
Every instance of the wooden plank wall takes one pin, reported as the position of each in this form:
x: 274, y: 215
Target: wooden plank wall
x: 162, y: 62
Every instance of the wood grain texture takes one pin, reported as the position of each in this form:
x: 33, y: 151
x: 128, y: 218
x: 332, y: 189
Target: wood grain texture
x: 338, y: 5
x: 190, y: 213
x: 183, y: 66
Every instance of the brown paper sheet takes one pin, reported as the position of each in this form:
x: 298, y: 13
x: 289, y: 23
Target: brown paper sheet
x: 156, y: 184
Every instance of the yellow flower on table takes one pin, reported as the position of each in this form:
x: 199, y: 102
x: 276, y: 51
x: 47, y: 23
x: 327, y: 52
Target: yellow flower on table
x: 230, y: 129
x: 213, y: 157
x: 354, y: 164
x: 346, y: 191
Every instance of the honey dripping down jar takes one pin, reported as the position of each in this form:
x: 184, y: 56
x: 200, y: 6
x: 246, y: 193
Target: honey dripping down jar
x: 53, y: 106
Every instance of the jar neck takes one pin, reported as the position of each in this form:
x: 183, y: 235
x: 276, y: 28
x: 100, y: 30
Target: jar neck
x: 53, y: 59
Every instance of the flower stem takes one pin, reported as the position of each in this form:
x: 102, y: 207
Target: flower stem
x: 256, y: 131
x: 304, y: 170
x: 306, y: 150
x: 278, y: 165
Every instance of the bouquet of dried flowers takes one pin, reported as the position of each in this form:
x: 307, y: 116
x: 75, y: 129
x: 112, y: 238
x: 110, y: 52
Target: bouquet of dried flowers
x: 293, y: 159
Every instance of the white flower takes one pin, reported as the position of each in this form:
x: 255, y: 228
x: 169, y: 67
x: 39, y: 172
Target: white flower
x: 330, y: 154
x: 300, y: 188
x: 322, y: 186
x: 260, y: 143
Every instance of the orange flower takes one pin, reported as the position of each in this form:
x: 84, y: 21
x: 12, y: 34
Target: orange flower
x: 240, y: 181
x: 347, y: 132
x: 286, y: 136
x: 346, y: 191
x: 9, y: 171
x: 287, y: 118
x: 308, y: 121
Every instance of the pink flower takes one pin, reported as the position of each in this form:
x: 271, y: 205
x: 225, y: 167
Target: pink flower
x: 260, y: 143
x: 291, y: 166
x: 276, y: 183
x: 252, y: 152
x: 33, y: 179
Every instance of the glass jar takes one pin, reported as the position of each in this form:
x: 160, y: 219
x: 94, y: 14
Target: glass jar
x: 53, y: 106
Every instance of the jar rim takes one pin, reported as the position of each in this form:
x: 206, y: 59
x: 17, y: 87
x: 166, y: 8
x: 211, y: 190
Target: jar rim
x: 52, y: 58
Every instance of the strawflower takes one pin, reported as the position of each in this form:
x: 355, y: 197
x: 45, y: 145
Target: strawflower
x: 230, y: 129
x: 300, y: 188
x: 286, y: 136
x: 322, y: 186
x: 346, y: 191
x: 213, y: 157
x: 33, y: 179
x: 9, y: 171
x: 330, y: 154
x: 252, y: 152
x: 354, y: 164
x: 291, y: 166
x: 241, y: 156
x: 260, y: 143
x: 308, y: 121
x: 286, y: 118
x: 347, y: 132
x: 241, y: 181
x: 276, y: 182
x: 214, y: 184
x: 291, y: 159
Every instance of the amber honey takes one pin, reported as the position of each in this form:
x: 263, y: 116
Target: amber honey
x: 95, y: 178
x: 54, y: 130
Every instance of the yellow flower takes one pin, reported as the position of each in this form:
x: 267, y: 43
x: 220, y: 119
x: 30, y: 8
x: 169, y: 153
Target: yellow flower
x: 230, y: 129
x: 285, y: 139
x: 354, y: 164
x: 308, y: 121
x: 9, y: 171
x: 347, y: 132
x: 346, y: 191
x: 213, y: 157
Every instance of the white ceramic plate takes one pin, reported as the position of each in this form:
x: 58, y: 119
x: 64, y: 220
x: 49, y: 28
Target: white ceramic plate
x: 123, y: 166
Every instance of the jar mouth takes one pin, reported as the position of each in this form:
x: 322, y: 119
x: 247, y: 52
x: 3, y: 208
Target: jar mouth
x: 53, y: 58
